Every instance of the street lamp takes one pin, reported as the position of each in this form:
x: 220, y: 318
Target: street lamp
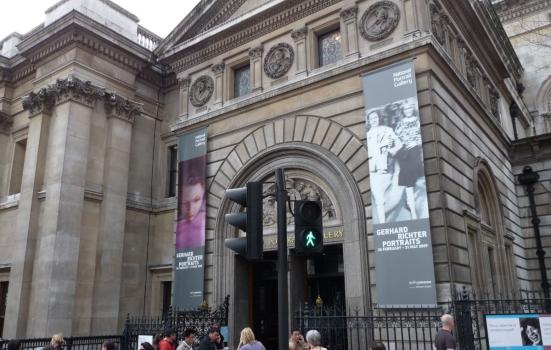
x: 529, y: 178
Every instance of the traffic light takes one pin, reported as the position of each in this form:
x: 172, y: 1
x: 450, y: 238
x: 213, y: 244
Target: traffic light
x: 308, y: 227
x: 249, y: 221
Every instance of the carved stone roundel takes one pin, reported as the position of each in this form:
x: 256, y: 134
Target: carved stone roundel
x: 201, y: 91
x: 278, y: 61
x: 379, y: 20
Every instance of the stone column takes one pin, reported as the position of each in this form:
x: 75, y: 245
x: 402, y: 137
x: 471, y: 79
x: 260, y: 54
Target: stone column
x: 349, y: 32
x: 57, y: 257
x: 107, y: 285
x: 255, y: 55
x: 5, y: 125
x: 26, y: 225
x: 183, y: 108
x: 299, y: 36
x: 218, y: 70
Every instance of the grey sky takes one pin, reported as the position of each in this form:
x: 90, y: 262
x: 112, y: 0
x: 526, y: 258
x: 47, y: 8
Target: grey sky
x: 159, y: 16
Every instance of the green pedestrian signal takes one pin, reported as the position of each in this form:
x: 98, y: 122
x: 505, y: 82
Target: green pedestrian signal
x: 308, y: 227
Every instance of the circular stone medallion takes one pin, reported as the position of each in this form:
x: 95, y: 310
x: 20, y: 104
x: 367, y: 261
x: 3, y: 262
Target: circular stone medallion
x: 379, y: 20
x: 278, y: 60
x: 201, y: 90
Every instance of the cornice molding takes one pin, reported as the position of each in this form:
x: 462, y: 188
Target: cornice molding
x: 246, y: 31
x: 511, y: 10
x: 74, y: 89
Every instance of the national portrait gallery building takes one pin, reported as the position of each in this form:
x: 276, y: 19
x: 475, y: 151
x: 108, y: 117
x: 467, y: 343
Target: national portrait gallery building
x: 385, y: 111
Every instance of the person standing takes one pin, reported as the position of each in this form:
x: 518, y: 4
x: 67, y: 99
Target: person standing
x: 444, y: 338
x: 248, y: 342
x: 210, y: 341
x: 169, y: 341
x: 189, y: 339
x: 313, y: 338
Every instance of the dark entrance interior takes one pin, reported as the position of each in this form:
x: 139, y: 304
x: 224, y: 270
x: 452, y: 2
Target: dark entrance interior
x: 322, y: 276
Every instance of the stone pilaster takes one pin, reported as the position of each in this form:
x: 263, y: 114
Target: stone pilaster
x: 299, y: 36
x: 183, y: 107
x: 255, y: 54
x: 26, y: 225
x: 5, y: 159
x: 107, y: 286
x: 218, y: 70
x: 57, y: 256
x: 349, y: 32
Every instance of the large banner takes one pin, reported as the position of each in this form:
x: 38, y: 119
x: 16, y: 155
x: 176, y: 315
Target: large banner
x: 403, y: 250
x: 190, y: 229
x: 520, y: 331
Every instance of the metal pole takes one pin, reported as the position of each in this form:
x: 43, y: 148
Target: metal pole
x: 282, y: 291
x: 529, y: 178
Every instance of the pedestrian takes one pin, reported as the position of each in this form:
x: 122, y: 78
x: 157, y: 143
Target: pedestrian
x: 210, y: 341
x: 298, y: 340
x: 444, y: 338
x: 248, y: 342
x: 189, y: 339
x: 107, y: 345
x: 146, y: 346
x: 14, y: 345
x: 156, y: 341
x: 313, y: 338
x: 169, y: 341
x: 377, y: 346
x: 57, y: 341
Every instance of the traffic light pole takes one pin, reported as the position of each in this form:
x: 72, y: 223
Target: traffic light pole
x: 282, y: 291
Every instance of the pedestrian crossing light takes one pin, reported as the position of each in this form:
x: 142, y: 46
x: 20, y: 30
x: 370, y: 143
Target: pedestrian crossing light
x: 250, y: 221
x: 308, y: 227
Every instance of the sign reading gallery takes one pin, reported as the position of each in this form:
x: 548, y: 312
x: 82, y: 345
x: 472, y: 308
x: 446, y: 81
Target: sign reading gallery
x: 402, y: 240
x: 190, y: 227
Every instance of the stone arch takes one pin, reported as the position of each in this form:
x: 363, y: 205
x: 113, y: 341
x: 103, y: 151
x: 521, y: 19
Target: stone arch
x: 543, y: 97
x: 486, y: 194
x: 314, y: 144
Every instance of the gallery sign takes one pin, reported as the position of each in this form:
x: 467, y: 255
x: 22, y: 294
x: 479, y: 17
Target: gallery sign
x: 401, y: 228
x: 191, y: 218
x: 518, y: 331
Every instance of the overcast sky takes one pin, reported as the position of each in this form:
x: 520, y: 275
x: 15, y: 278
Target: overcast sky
x: 159, y: 16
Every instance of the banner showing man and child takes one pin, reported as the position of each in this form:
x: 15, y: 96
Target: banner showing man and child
x: 401, y: 227
x: 191, y: 219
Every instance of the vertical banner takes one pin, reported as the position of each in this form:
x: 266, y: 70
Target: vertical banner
x: 191, y: 218
x: 401, y: 228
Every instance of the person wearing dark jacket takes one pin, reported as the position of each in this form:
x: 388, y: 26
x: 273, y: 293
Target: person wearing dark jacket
x: 210, y: 341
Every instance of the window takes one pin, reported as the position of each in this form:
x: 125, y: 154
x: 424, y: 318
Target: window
x: 167, y: 296
x: 329, y: 47
x: 241, y: 81
x: 17, y: 166
x: 3, y: 300
x: 172, y: 170
x: 493, y: 287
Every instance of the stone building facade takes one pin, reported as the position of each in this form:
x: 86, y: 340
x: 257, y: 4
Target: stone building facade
x: 91, y: 114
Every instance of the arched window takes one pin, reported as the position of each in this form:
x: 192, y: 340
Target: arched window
x: 490, y: 252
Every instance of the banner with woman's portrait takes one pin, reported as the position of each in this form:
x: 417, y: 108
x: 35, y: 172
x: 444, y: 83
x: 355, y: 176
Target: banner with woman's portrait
x: 401, y: 227
x: 191, y: 219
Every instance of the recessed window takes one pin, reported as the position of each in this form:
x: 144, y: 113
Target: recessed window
x: 167, y: 296
x: 3, y: 303
x: 329, y: 47
x: 172, y: 170
x: 241, y: 81
x: 17, y: 166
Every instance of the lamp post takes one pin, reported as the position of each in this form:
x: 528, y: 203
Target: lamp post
x: 529, y: 178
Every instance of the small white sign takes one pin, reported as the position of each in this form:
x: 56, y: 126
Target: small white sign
x: 144, y: 339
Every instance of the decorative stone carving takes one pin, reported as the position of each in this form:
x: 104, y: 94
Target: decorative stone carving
x: 201, y: 91
x: 299, y: 34
x: 471, y: 69
x: 379, y: 20
x: 184, y: 83
x: 218, y: 68
x: 438, y: 24
x: 349, y: 13
x: 83, y: 91
x: 278, y: 61
x: 63, y: 89
x: 256, y: 52
x: 494, y: 101
x: 119, y: 107
x: 298, y: 189
x: 5, y: 122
